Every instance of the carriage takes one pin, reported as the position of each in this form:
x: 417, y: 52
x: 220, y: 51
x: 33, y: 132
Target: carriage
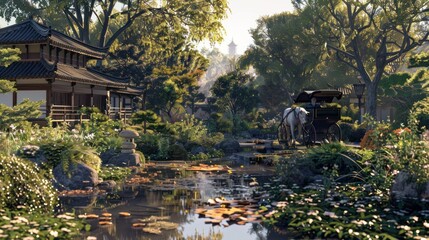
x: 322, y: 120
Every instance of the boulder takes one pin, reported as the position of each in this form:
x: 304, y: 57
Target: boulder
x: 108, y: 185
x: 78, y: 176
x: 126, y: 160
x: 405, y: 188
x: 229, y: 146
x: 107, y: 155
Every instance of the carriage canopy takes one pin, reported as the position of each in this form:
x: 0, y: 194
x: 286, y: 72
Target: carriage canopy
x: 324, y: 95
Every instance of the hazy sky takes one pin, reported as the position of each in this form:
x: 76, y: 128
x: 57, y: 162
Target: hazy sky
x: 243, y: 16
x: 241, y: 19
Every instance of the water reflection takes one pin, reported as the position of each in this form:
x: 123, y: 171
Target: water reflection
x: 174, y: 193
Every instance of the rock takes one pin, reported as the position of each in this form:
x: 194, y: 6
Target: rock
x: 198, y: 149
x: 229, y: 146
x: 126, y: 160
x: 78, y: 176
x: 107, y: 185
x: 106, y: 156
x: 404, y: 188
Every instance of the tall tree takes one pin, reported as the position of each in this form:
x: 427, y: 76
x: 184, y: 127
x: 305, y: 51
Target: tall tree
x: 284, y: 53
x: 370, y: 35
x: 234, y: 94
x: 201, y: 18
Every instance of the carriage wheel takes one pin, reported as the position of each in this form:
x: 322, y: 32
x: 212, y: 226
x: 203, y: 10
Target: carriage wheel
x: 334, y: 133
x: 309, y: 135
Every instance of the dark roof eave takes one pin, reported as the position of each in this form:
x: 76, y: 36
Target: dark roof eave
x: 88, y: 53
x: 81, y: 80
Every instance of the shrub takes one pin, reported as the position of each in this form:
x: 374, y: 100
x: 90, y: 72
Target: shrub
x: 335, y: 158
x: 154, y: 146
x: 177, y: 152
x: 100, y: 132
x: 420, y: 114
x: 23, y: 184
x: 67, y: 152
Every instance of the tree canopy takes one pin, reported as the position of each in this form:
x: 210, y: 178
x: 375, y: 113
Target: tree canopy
x: 112, y: 17
x: 369, y: 36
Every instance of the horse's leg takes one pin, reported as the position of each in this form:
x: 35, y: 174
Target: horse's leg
x: 288, y: 139
x: 292, y: 130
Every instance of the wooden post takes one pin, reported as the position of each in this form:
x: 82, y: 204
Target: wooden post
x: 92, y: 95
x: 72, y: 100
x: 49, y: 102
x: 108, y: 103
x: 120, y: 106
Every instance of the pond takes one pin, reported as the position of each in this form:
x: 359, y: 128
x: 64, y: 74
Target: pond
x: 176, y: 195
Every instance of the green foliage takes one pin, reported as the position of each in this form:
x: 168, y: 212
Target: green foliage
x: 235, y: 95
x: 352, y: 211
x: 17, y: 115
x: 192, y: 130
x: 8, y: 56
x: 24, y: 225
x: 114, y: 173
x: 359, y: 45
x: 7, y: 86
x: 68, y: 152
x: 177, y: 152
x: 420, y: 113
x: 23, y: 184
x: 100, y: 132
x: 141, y: 116
x: 419, y: 60
x: 154, y: 146
x: 335, y: 158
x: 285, y: 54
x: 402, y: 91
x: 195, y: 19
x: 352, y: 132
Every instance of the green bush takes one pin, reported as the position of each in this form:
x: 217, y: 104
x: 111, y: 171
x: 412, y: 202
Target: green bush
x: 100, y: 132
x: 420, y: 112
x: 154, y: 146
x: 23, y: 184
x: 177, y: 152
x: 336, y: 158
x: 67, y: 152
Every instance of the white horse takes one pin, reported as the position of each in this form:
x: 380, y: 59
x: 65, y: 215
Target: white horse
x: 292, y: 117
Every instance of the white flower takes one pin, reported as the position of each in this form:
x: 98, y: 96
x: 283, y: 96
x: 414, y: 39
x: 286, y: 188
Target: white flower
x: 330, y: 214
x: 53, y: 233
x: 33, y: 231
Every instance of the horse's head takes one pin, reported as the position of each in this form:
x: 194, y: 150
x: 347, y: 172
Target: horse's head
x: 302, y: 115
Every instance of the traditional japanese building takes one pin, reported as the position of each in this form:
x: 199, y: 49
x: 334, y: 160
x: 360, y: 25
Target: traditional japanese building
x: 53, y: 68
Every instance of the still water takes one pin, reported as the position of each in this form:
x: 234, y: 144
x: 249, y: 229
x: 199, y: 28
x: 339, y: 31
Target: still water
x: 176, y: 194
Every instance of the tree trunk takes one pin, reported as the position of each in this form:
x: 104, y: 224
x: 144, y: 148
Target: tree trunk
x: 371, y: 99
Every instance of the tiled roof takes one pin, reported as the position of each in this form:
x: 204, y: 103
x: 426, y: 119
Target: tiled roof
x: 26, y: 70
x: 72, y: 74
x: 30, y: 31
x: 42, y: 69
